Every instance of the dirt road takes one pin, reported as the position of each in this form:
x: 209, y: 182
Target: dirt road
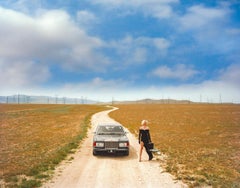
x: 86, y: 170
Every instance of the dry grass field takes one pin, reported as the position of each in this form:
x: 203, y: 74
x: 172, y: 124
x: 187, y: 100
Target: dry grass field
x: 201, y: 141
x: 34, y: 138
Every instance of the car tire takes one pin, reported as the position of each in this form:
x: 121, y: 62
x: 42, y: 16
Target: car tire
x: 95, y: 153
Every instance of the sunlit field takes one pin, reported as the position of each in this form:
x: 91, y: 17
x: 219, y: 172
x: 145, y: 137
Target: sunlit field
x: 35, y: 138
x: 201, y: 141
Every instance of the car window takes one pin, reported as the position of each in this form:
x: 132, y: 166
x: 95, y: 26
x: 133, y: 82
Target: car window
x: 118, y: 129
x: 101, y: 130
x: 109, y: 129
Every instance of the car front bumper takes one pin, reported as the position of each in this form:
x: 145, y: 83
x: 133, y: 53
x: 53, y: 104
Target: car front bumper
x: 109, y: 148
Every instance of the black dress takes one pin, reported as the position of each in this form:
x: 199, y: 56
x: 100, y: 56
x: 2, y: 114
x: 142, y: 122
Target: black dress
x: 144, y: 136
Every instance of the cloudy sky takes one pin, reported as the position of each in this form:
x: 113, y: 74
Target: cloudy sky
x: 121, y: 49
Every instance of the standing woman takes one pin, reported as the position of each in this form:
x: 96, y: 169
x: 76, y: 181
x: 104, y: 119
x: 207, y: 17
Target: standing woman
x: 143, y: 139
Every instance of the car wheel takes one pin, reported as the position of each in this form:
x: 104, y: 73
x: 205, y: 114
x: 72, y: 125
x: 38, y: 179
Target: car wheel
x: 95, y: 153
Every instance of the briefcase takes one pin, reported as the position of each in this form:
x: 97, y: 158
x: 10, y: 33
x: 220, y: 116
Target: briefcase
x: 150, y: 145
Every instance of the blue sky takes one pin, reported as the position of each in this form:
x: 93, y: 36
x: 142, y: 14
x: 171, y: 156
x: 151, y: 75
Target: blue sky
x: 126, y: 50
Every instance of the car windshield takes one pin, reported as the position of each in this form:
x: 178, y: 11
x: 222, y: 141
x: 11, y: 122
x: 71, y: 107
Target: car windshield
x: 110, y: 129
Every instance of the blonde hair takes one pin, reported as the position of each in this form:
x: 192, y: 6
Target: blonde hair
x: 144, y: 121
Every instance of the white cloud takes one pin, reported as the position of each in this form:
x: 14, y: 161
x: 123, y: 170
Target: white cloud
x: 25, y: 6
x: 212, y: 91
x: 231, y: 75
x: 156, y: 8
x: 233, y: 31
x: 96, y: 88
x: 86, y: 18
x: 115, y: 3
x: 51, y: 36
x: 211, y: 28
x: 159, y: 11
x: 200, y: 17
x: 208, y: 91
x: 97, y: 84
x: 161, y: 43
x: 224, y: 89
x: 18, y: 74
x: 180, y: 71
x: 139, y: 50
x: 139, y: 55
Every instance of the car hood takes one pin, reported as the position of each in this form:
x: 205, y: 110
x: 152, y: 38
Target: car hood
x: 112, y: 138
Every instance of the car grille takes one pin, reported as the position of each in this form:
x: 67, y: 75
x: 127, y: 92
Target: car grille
x: 111, y: 145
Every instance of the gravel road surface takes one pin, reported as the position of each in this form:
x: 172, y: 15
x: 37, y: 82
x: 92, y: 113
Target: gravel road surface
x: 88, y: 171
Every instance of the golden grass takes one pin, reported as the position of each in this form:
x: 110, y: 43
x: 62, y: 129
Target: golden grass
x: 34, y: 136
x: 202, y: 141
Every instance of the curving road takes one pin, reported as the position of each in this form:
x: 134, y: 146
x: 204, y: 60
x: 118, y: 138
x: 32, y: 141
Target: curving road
x: 89, y: 171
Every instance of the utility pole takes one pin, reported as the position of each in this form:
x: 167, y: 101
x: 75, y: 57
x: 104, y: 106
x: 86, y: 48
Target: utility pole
x: 56, y: 99
x: 28, y: 99
x: 220, y: 98
x: 18, y: 99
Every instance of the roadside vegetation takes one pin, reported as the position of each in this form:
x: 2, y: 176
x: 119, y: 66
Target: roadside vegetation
x: 201, y: 141
x: 35, y: 138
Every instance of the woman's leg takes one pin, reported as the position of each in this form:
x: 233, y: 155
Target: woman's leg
x: 141, y: 148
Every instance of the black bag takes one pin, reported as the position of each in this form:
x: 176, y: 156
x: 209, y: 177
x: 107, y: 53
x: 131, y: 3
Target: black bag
x: 150, y: 145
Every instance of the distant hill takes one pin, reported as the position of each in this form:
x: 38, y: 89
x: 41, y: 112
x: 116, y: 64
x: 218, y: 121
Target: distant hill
x: 25, y: 99
x: 154, y: 101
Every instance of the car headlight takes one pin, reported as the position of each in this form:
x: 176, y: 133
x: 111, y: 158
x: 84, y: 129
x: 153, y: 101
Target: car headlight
x: 123, y: 144
x: 99, y: 144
